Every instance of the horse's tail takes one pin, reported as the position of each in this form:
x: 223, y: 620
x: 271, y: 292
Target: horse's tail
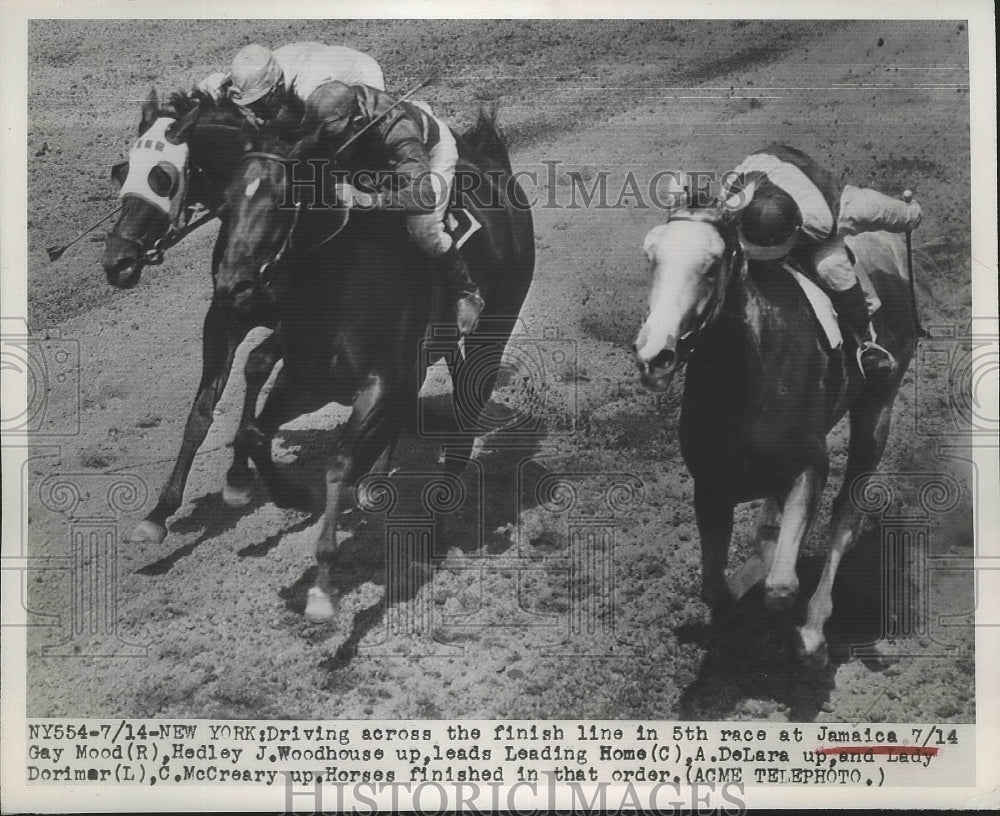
x: 485, y: 138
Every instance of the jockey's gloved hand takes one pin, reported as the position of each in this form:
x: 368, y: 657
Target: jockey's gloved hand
x: 350, y: 197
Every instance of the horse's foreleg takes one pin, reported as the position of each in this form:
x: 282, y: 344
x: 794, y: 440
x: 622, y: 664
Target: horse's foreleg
x: 259, y: 365
x: 376, y: 421
x: 869, y: 432
x: 714, y: 514
x: 782, y: 584
x: 219, y: 341
x: 285, y: 402
x: 759, y: 563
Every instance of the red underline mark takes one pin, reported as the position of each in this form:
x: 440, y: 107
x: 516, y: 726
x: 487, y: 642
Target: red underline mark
x: 893, y: 750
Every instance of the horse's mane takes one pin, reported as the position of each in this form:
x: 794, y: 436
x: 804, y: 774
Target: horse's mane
x: 180, y: 103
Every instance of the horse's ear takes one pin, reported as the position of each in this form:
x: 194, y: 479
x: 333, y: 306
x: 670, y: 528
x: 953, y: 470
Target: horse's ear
x: 308, y: 143
x: 119, y: 173
x: 150, y: 110
x: 180, y: 131
x: 652, y: 240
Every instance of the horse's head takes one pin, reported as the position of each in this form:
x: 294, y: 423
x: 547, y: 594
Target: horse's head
x: 263, y: 212
x: 691, y: 261
x: 257, y: 223
x: 153, y: 187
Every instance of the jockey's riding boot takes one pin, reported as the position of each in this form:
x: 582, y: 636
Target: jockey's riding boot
x: 874, y: 360
x: 470, y: 302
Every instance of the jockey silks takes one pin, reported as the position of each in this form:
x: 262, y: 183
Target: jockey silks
x: 406, y: 133
x: 828, y: 208
x: 157, y: 170
x: 814, y: 190
x: 308, y: 65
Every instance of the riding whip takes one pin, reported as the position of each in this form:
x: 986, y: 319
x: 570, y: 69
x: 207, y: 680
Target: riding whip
x: 55, y: 252
x: 908, y: 197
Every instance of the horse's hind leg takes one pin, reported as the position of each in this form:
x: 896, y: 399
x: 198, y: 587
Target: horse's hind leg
x: 781, y: 586
x: 260, y: 363
x: 870, y: 420
x: 376, y: 421
x: 473, y: 378
x: 714, y: 513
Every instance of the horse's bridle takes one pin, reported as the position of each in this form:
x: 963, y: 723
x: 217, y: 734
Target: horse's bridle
x: 153, y: 255
x: 733, y: 268
x: 286, y: 250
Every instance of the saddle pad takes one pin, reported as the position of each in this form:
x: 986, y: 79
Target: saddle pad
x: 462, y: 225
x: 821, y: 306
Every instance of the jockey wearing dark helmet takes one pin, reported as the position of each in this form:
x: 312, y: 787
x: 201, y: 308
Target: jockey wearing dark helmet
x: 259, y: 80
x: 771, y: 223
x: 787, y: 204
x: 421, y: 153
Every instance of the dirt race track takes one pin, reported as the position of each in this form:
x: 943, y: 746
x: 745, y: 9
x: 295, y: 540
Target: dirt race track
x: 505, y: 618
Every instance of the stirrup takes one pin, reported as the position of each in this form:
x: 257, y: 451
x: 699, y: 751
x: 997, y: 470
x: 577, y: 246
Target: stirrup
x: 874, y: 358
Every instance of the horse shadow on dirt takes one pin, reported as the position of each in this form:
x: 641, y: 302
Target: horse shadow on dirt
x: 469, y: 513
x: 486, y: 497
x: 210, y: 517
x: 749, y: 654
x: 433, y: 515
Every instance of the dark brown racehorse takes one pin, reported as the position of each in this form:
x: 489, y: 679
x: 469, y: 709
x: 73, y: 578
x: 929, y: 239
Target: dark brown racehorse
x: 761, y: 393
x: 212, y: 132
x: 359, y: 305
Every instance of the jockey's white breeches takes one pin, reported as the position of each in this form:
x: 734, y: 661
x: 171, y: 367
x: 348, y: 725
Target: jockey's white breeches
x: 427, y: 229
x: 833, y: 265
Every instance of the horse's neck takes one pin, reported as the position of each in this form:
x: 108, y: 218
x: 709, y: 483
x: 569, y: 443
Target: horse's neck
x: 216, y: 151
x: 738, y: 339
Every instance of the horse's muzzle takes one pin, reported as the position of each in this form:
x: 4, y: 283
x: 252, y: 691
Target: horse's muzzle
x: 657, y: 373
x: 122, y: 262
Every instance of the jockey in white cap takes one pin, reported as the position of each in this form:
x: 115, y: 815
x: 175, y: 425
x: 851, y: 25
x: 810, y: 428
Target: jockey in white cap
x: 787, y: 203
x: 259, y: 79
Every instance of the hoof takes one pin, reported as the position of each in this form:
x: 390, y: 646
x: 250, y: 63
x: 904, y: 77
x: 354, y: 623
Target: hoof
x: 235, y: 496
x: 294, y: 497
x: 880, y: 656
x: 720, y: 601
x: 810, y: 649
x: 148, y: 532
x: 780, y: 597
x: 319, y: 609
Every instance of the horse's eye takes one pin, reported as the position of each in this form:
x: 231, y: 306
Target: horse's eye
x: 164, y: 180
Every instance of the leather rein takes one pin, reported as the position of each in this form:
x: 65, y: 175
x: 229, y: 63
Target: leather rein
x: 734, y: 268
x: 286, y: 250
